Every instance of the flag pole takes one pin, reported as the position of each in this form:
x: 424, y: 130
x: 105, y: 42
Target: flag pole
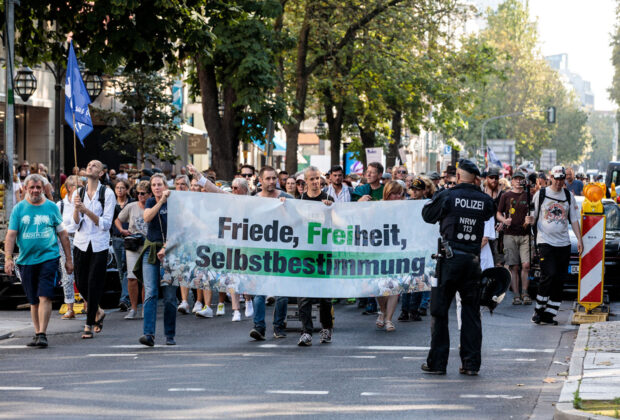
x: 74, y: 145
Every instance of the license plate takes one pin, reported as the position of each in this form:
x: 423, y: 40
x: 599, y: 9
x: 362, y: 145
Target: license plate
x: 573, y: 269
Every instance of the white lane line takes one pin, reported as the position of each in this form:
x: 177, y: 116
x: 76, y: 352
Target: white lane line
x: 492, y: 396
x: 21, y: 388
x: 524, y: 360
x: 13, y: 346
x: 360, y: 357
x: 256, y: 354
x: 371, y: 394
x: 530, y: 350
x: 112, y: 354
x: 289, y: 391
x: 186, y: 389
x: 268, y: 346
x: 136, y: 346
x: 414, y: 357
x: 393, y: 348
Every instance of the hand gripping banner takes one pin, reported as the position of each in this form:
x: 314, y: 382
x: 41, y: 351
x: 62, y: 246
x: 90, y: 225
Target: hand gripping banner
x: 263, y: 246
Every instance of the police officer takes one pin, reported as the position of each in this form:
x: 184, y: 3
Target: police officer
x: 461, y: 212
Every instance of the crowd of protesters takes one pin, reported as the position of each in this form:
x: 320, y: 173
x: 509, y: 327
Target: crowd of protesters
x: 127, y: 212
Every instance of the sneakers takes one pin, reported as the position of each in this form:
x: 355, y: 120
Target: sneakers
x: 123, y: 307
x: 42, y: 342
x: 305, y: 340
x: 249, y: 309
x: 257, y: 334
x: 236, y: 316
x: 34, y: 342
x: 197, y: 307
x: 536, y: 318
x: 206, y: 312
x: 170, y: 341
x: 326, y: 335
x: 403, y: 317
x: 147, y: 340
x: 270, y: 300
x: 432, y: 371
x: 183, y: 307
x: 468, y: 372
x: 220, y: 309
x: 131, y: 314
x: 279, y: 333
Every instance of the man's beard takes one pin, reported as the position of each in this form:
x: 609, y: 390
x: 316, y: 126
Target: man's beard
x: 34, y: 199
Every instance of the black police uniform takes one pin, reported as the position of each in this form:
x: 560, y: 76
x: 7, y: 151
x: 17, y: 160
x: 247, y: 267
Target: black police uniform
x: 462, y: 212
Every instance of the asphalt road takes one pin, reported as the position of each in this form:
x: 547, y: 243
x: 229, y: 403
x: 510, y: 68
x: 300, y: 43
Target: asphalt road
x: 217, y: 371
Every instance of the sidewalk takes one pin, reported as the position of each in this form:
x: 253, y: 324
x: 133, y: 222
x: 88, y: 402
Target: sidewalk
x: 594, y: 373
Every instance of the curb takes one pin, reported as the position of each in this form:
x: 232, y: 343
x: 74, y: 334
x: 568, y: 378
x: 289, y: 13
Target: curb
x: 5, y: 336
x: 564, y: 409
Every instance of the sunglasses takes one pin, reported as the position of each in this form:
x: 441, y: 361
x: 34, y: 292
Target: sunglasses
x: 402, y: 172
x: 142, y: 193
x: 450, y: 183
x: 300, y: 182
x: 246, y: 175
x: 493, y: 177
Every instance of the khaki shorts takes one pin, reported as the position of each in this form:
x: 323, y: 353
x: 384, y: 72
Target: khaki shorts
x: 516, y: 249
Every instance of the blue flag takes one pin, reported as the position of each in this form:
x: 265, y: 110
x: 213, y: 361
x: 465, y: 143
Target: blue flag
x: 493, y: 157
x: 76, y: 99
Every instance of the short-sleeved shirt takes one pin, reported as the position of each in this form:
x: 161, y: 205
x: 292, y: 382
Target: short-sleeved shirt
x: 36, y: 231
x: 133, y: 215
x: 155, y: 228
x: 576, y: 187
x: 553, y: 221
x: 514, y: 205
x: 320, y: 197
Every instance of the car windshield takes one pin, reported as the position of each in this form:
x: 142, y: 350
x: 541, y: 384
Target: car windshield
x: 612, y: 212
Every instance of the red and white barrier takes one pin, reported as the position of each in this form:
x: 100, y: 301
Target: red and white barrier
x: 592, y: 261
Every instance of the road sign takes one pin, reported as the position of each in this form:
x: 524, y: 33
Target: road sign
x: 548, y: 159
x: 447, y: 150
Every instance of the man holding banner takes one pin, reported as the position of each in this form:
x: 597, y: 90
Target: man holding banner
x: 461, y: 212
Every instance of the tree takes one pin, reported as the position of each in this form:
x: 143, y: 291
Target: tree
x: 525, y: 83
x: 147, y: 124
x: 601, y: 126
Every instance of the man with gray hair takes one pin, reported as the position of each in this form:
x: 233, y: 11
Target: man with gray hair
x: 240, y: 186
x: 36, y: 224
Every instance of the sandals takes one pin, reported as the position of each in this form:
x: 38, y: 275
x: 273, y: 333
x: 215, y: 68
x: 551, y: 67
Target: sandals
x: 389, y: 326
x: 380, y: 321
x: 527, y: 300
x: 69, y: 315
x: 87, y: 333
x: 98, y: 326
x: 517, y: 300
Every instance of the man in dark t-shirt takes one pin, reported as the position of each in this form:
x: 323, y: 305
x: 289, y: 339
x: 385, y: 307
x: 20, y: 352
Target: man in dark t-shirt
x: 314, y: 193
x: 512, y: 209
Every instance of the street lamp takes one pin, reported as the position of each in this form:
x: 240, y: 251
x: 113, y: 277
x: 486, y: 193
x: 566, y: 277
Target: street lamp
x: 94, y: 85
x: 320, y: 128
x: 25, y: 85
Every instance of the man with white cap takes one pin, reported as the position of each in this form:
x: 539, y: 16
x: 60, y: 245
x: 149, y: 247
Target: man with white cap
x: 555, y: 210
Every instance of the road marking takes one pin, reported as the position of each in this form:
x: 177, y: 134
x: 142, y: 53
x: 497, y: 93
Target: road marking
x: 255, y: 354
x: 524, y: 360
x: 21, y: 388
x: 13, y: 346
x: 268, y: 346
x: 359, y: 357
x: 113, y: 355
x: 371, y: 394
x: 136, y: 346
x: 492, y: 396
x: 393, y: 348
x: 186, y: 389
x: 288, y: 391
x: 414, y: 357
x: 531, y: 350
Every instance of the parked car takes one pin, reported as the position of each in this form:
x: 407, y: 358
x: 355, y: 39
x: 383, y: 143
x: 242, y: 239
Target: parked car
x: 12, y: 293
x: 611, y: 282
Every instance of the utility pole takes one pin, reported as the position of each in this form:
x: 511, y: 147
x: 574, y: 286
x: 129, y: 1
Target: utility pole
x: 9, y: 116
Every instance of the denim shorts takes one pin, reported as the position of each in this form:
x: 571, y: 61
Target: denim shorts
x: 39, y: 279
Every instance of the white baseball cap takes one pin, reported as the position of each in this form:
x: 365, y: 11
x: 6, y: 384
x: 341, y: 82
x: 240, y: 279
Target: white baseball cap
x: 558, y: 172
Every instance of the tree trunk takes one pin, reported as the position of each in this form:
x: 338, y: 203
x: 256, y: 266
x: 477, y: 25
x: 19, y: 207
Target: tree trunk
x: 369, y: 139
x: 397, y: 126
x: 222, y: 130
x: 334, y: 123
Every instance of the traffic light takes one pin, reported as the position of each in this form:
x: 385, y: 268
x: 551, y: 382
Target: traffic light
x: 551, y: 115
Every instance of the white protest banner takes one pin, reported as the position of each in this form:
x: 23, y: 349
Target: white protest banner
x: 264, y: 246
x: 374, y: 154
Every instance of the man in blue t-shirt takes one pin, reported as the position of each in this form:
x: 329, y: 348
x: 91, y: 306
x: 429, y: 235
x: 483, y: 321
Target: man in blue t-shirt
x: 36, y: 224
x: 573, y: 185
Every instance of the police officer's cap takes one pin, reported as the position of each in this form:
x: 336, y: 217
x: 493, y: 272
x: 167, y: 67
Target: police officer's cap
x: 469, y: 166
x: 434, y: 176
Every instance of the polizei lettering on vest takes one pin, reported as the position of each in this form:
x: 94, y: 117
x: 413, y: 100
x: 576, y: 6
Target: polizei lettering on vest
x: 466, y: 203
